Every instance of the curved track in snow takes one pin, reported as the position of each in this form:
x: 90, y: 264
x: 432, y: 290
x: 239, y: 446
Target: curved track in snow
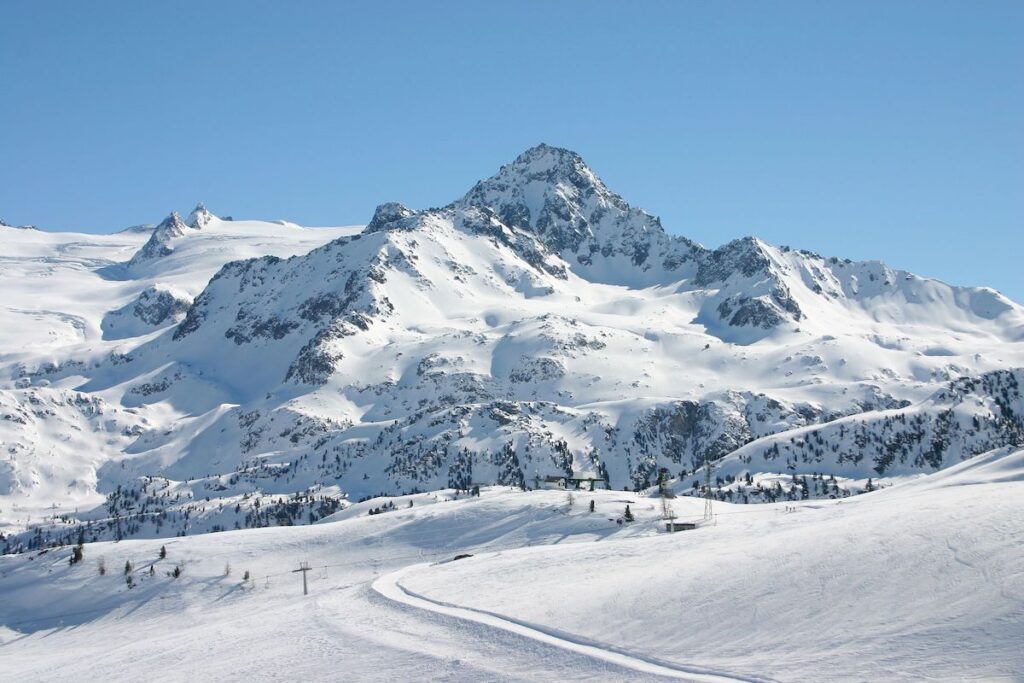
x: 389, y: 586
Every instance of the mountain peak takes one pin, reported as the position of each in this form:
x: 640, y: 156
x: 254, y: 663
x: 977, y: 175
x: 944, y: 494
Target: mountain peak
x: 541, y: 169
x: 549, y: 156
x: 172, y: 224
x: 200, y: 217
x: 550, y: 192
x: 168, y: 230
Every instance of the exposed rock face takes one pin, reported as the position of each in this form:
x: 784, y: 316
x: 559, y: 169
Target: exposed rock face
x: 161, y: 240
x: 156, y: 306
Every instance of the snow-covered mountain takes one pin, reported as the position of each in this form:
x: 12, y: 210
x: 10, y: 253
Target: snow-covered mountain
x: 194, y: 375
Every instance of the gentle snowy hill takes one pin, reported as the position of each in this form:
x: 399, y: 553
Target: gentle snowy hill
x: 537, y: 326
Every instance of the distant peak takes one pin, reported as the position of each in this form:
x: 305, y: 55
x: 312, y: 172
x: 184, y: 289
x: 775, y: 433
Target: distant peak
x: 173, y: 218
x: 200, y: 217
x: 170, y: 227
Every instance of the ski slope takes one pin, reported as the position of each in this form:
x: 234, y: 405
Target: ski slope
x: 921, y: 580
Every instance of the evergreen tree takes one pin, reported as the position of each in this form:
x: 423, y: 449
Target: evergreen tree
x: 628, y: 516
x: 163, y: 550
x: 591, y: 506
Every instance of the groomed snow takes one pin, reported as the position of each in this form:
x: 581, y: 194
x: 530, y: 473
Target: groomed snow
x: 921, y: 580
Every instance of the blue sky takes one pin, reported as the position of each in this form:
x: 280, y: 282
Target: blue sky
x: 889, y: 130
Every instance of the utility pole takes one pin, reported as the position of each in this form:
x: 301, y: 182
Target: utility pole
x: 303, y: 567
x: 707, y: 489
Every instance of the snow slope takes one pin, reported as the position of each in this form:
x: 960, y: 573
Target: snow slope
x: 70, y: 305
x: 924, y: 580
x: 921, y: 580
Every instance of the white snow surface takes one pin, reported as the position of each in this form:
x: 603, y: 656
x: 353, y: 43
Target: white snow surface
x: 923, y: 580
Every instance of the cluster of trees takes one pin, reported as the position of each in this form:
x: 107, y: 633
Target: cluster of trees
x: 744, y: 489
x: 158, y: 508
x: 386, y: 507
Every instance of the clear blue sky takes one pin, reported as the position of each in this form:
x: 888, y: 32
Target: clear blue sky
x: 891, y: 130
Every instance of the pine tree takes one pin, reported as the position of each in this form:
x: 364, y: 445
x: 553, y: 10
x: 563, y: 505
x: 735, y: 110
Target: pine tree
x: 628, y: 516
x: 127, y: 567
x: 163, y: 551
x: 591, y: 506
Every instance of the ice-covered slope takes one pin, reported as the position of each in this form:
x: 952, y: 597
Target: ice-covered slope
x: 922, y: 580
x: 537, y: 326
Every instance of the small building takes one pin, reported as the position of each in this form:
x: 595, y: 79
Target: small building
x: 673, y: 526
x: 577, y: 482
x: 556, y: 479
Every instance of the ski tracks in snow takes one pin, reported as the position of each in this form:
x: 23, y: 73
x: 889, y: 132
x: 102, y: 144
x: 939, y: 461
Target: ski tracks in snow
x: 390, y: 587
